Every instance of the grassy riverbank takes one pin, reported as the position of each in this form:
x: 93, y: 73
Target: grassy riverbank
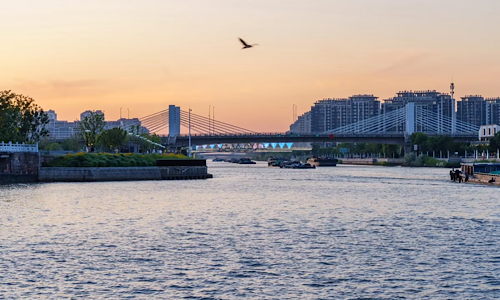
x: 427, y: 161
x: 110, y: 160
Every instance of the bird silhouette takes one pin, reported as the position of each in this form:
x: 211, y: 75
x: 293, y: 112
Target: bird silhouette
x: 245, y: 45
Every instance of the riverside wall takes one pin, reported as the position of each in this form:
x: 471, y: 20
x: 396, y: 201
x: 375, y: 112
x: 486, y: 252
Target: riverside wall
x: 121, y: 174
x: 20, y: 167
x: 372, y: 161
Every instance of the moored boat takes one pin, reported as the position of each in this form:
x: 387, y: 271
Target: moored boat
x: 303, y: 166
x: 275, y: 161
x: 246, y: 161
x: 322, y: 161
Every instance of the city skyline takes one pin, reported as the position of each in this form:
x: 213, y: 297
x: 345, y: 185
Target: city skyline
x: 359, y: 97
x: 332, y: 113
x: 73, y: 56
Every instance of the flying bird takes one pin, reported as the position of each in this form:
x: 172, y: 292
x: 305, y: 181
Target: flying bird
x: 245, y: 45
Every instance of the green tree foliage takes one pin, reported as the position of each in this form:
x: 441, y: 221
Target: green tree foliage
x: 110, y: 160
x: 21, y: 120
x: 495, y: 142
x: 90, y: 127
x: 143, y: 143
x: 55, y: 147
x: 70, y: 144
x: 436, y: 143
x: 44, y: 143
x: 358, y: 148
x: 420, y: 139
x: 113, y: 138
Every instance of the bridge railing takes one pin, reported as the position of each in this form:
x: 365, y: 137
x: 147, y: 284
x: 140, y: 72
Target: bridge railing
x: 11, y: 148
x: 333, y: 136
x: 284, y: 134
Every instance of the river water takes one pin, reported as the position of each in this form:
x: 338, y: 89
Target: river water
x: 348, y: 232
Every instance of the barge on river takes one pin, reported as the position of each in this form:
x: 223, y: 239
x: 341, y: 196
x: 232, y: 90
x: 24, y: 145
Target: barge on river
x: 322, y: 161
x: 485, y: 173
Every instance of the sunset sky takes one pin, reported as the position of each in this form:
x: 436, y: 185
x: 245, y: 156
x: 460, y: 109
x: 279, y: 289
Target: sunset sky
x: 72, y: 55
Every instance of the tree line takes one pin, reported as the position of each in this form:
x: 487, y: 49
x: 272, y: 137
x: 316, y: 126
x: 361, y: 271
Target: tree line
x: 425, y: 144
x: 23, y: 121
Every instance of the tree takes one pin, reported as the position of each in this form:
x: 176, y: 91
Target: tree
x: 55, y: 147
x: 90, y: 127
x: 495, y: 142
x: 113, y: 138
x: 420, y: 139
x: 144, y: 141
x: 70, y: 144
x: 21, y: 120
x: 315, y: 149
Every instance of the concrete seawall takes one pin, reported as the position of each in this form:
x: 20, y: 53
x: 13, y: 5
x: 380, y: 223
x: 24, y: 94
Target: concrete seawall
x: 121, y: 174
x: 18, y: 178
x: 372, y: 161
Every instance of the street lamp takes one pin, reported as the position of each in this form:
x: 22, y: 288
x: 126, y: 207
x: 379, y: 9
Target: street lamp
x: 189, y: 126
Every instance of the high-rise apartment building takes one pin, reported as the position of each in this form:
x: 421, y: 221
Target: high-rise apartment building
x: 473, y: 110
x: 436, y: 102
x: 302, y: 125
x: 328, y: 114
x: 493, y: 105
x: 59, y: 130
x: 441, y: 104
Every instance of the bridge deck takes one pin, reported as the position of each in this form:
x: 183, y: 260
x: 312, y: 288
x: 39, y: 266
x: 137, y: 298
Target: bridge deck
x: 383, y: 138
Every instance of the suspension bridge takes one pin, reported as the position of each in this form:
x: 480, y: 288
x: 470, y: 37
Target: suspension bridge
x: 390, y: 128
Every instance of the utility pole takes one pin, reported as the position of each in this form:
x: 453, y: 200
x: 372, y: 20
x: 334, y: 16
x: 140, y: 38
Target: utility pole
x: 189, y: 126
x: 213, y: 120
x: 128, y: 113
x: 120, y: 112
x: 453, y: 113
x: 209, y: 108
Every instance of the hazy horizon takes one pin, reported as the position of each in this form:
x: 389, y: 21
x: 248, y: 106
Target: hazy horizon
x: 72, y: 56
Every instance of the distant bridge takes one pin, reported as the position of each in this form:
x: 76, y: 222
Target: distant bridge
x: 392, y: 128
x: 285, y: 138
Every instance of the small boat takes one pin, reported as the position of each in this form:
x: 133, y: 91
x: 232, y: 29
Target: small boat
x: 288, y: 164
x: 217, y: 159
x: 246, y: 161
x: 275, y: 161
x: 303, y: 166
x: 322, y: 161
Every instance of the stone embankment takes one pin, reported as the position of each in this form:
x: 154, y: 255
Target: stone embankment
x: 122, y: 174
x: 24, y: 168
x: 372, y: 161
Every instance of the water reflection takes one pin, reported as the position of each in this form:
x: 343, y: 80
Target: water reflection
x: 256, y: 232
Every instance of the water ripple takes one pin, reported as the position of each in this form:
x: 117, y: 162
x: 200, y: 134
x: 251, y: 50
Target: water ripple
x: 254, y: 232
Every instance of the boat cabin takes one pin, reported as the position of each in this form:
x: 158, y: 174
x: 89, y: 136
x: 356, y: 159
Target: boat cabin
x: 471, y: 168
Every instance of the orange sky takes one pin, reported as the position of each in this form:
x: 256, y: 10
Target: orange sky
x: 144, y: 55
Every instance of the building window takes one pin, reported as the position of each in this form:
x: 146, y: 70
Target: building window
x: 484, y: 131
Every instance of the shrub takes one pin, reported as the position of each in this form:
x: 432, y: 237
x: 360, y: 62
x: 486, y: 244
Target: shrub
x: 110, y: 160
